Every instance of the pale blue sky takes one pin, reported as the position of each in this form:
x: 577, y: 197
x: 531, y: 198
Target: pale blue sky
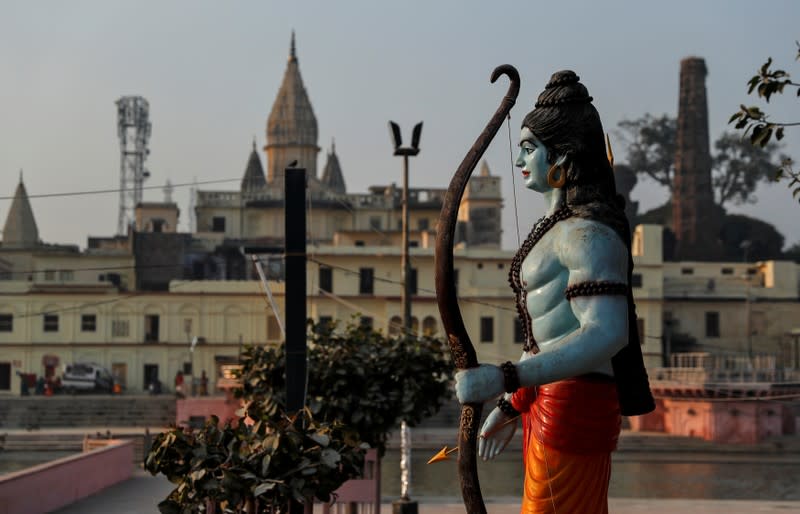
x: 211, y: 69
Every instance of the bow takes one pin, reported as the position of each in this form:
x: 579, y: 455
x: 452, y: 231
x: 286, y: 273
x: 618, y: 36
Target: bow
x: 461, y: 348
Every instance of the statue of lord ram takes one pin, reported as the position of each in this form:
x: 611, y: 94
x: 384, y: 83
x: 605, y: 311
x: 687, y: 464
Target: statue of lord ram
x: 582, y: 366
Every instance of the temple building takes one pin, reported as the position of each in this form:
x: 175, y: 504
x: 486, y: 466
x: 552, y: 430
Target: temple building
x: 254, y: 213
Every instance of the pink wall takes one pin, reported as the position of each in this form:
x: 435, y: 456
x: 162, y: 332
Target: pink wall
x: 220, y: 406
x: 52, y: 485
x: 734, y: 422
x: 651, y: 422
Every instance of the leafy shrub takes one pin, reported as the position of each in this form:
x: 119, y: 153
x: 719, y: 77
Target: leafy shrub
x: 255, y: 468
x: 357, y: 376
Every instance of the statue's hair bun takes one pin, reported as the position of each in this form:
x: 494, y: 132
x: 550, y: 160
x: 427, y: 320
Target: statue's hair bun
x: 563, y: 88
x: 562, y: 78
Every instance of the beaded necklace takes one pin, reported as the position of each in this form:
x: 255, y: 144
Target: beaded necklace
x: 540, y: 228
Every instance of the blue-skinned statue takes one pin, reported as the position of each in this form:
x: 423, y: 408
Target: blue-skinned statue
x: 582, y: 366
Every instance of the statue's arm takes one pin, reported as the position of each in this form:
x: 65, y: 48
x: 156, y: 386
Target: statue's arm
x: 592, y: 252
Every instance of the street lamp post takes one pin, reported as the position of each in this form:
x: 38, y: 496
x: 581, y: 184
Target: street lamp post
x: 405, y: 152
x: 405, y: 505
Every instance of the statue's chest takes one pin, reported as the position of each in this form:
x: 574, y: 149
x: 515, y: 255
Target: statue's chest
x: 542, y: 265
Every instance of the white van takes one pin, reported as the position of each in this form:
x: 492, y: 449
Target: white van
x: 86, y: 377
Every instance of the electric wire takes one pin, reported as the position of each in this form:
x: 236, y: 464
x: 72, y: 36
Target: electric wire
x: 104, y: 191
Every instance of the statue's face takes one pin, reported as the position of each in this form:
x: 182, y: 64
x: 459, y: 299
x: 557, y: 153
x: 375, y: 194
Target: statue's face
x: 532, y: 159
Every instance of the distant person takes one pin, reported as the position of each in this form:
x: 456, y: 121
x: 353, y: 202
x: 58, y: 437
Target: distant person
x: 203, y: 384
x: 179, y: 384
x: 23, y: 385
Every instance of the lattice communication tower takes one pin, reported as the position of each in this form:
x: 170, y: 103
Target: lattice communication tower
x: 133, y: 129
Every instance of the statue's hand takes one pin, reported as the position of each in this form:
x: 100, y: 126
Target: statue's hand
x: 476, y: 385
x: 497, y: 431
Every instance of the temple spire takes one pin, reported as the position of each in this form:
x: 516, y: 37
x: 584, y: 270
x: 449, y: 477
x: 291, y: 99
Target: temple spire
x: 291, y: 126
x: 20, y: 229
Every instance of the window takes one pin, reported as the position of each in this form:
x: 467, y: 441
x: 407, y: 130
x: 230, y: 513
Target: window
x: 366, y: 278
x: 324, y: 323
x: 366, y: 322
x: 519, y: 334
x: 395, y: 326
x: 120, y: 328
x: 218, y: 224
x: 150, y: 375
x: 187, y: 368
x: 429, y: 327
x: 413, y: 244
x: 487, y: 329
x: 88, y: 322
x: 375, y: 222
x: 412, y: 281
x: 712, y: 324
x: 50, y: 323
x: 49, y: 274
x: 636, y: 280
x: 640, y: 328
x: 687, y: 271
x: 422, y: 224
x: 151, y: 322
x: 5, y: 275
x: 5, y: 376
x: 6, y: 322
x: 326, y: 279
x: 359, y: 243
x: 727, y: 271
x: 66, y: 275
x: 158, y: 225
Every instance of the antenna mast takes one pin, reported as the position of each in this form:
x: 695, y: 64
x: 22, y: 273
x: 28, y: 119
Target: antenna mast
x: 133, y: 129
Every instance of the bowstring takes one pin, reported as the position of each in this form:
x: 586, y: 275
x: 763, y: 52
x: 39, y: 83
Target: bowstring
x: 513, y: 180
x: 540, y: 435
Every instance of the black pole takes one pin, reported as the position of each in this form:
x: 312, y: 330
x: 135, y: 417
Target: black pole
x: 295, y: 237
x: 295, y: 234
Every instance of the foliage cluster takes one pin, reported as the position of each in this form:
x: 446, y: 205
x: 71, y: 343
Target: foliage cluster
x: 357, y: 376
x: 757, y: 123
x: 736, y: 166
x: 254, y: 468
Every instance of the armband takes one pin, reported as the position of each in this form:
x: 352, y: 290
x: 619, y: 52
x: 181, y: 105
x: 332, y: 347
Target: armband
x: 597, y: 288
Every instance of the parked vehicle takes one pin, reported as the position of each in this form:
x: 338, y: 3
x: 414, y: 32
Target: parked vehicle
x: 86, y: 377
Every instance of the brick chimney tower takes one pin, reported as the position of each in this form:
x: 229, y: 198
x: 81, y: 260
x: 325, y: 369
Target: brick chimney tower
x: 695, y: 216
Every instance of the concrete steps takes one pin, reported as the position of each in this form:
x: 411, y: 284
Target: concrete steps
x: 39, y: 412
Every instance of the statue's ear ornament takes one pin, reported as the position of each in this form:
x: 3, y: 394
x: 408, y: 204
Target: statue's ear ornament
x: 558, y: 167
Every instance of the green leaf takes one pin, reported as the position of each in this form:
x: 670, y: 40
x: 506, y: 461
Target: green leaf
x: 265, y: 462
x: 263, y: 488
x: 330, y: 457
x: 321, y: 439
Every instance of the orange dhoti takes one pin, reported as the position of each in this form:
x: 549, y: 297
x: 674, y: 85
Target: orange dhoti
x: 570, y: 429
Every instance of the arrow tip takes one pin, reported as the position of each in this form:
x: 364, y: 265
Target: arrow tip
x: 442, y: 455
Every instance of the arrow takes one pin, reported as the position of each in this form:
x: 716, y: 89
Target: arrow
x: 444, y: 452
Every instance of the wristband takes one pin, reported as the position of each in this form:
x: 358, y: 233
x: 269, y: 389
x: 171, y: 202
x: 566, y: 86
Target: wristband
x: 510, y: 376
x: 507, y: 409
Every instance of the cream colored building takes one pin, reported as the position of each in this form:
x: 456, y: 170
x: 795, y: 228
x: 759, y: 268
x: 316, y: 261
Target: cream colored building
x: 127, y: 302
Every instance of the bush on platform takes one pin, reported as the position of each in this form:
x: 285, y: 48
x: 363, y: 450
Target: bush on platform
x: 255, y: 468
x: 357, y: 376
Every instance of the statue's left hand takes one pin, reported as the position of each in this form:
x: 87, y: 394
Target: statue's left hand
x: 477, y: 385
